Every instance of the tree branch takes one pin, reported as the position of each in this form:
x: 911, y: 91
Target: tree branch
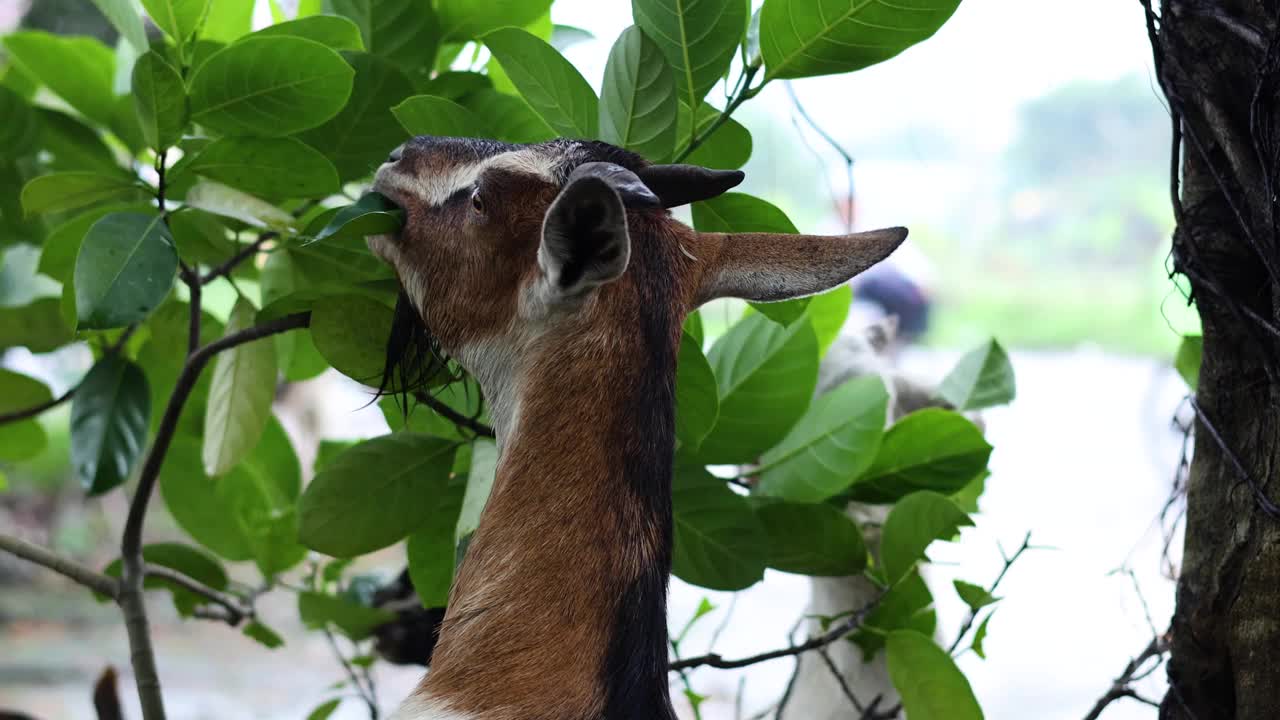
x: 235, y: 609
x: 849, y: 625
x: 44, y: 557
x: 246, y: 252
x: 1120, y: 686
x: 130, y: 595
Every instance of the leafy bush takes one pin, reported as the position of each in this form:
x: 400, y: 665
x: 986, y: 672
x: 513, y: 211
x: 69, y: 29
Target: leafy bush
x: 207, y: 155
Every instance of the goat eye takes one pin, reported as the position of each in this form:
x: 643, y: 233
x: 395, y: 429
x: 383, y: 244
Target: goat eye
x: 476, y: 202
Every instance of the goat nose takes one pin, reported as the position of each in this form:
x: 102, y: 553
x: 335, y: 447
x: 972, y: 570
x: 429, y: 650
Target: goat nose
x: 396, y: 154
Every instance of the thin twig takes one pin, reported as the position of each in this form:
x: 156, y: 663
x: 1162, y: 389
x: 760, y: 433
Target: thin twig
x: 370, y: 701
x: 35, y: 410
x: 1120, y: 686
x: 839, y: 677
x: 235, y: 609
x: 454, y: 416
x: 1267, y: 505
x: 96, y: 581
x: 839, y: 631
x: 1009, y: 560
x: 246, y: 252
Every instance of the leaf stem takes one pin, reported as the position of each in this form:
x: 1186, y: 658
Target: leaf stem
x: 745, y: 93
x: 35, y: 410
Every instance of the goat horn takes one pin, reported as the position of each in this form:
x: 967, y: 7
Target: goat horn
x: 632, y: 189
x: 679, y: 185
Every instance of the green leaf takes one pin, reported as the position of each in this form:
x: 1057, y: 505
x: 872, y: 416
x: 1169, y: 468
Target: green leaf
x: 226, y: 201
x: 74, y: 145
x: 372, y: 214
x: 227, y: 20
x: 248, y: 514
x: 184, y: 559
x: 455, y: 84
x: 431, y: 547
x: 358, y: 138
x: 198, y: 504
x: 19, y: 392
x: 697, y: 38
x: 244, y: 383
x: 982, y: 378
x: 201, y: 237
x: 80, y: 70
x: 759, y: 364
x: 374, y: 494
x: 930, y: 449
x: 979, y: 636
x: 728, y: 148
x: 975, y: 596
x: 812, y: 539
x: 270, y: 86
x: 508, y: 118
x: 931, y: 686
x: 484, y: 467
x: 430, y: 115
x: 272, y: 168
x: 834, y: 442
x: 62, y: 191
x: 351, y: 333
x: 827, y: 314
x: 467, y: 20
x: 913, y: 524
x: 406, y: 32
x: 638, y: 102
x: 124, y: 17
x: 553, y: 87
x: 907, y: 605
x: 355, y: 621
x: 719, y: 542
x: 324, y: 710
x: 177, y: 18
x: 124, y: 269
x: 23, y: 439
x: 742, y: 213
x: 332, y: 31
x: 19, y: 132
x: 58, y: 258
x: 801, y: 38
x: 564, y: 37
x: 38, y: 326
x: 109, y: 423
x: 697, y: 397
x: 1187, y: 360
x: 160, y: 100
x: 271, y: 640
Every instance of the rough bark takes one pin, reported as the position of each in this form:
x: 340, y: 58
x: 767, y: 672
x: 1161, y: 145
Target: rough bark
x: 1216, y: 61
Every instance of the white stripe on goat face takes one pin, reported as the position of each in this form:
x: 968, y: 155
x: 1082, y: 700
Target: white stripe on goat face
x: 434, y: 188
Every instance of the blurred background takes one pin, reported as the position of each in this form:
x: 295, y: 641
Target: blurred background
x: 1026, y: 147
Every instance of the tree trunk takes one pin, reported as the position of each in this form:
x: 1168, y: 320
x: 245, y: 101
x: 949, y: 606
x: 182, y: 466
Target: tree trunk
x: 1218, y: 62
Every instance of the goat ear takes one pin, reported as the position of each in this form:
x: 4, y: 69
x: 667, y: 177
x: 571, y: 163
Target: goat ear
x: 584, y: 237
x: 677, y: 185
x: 767, y: 267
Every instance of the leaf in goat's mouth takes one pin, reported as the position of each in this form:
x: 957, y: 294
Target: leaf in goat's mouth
x: 372, y: 214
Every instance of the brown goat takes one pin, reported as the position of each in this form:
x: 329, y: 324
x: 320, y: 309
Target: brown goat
x: 555, y: 275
